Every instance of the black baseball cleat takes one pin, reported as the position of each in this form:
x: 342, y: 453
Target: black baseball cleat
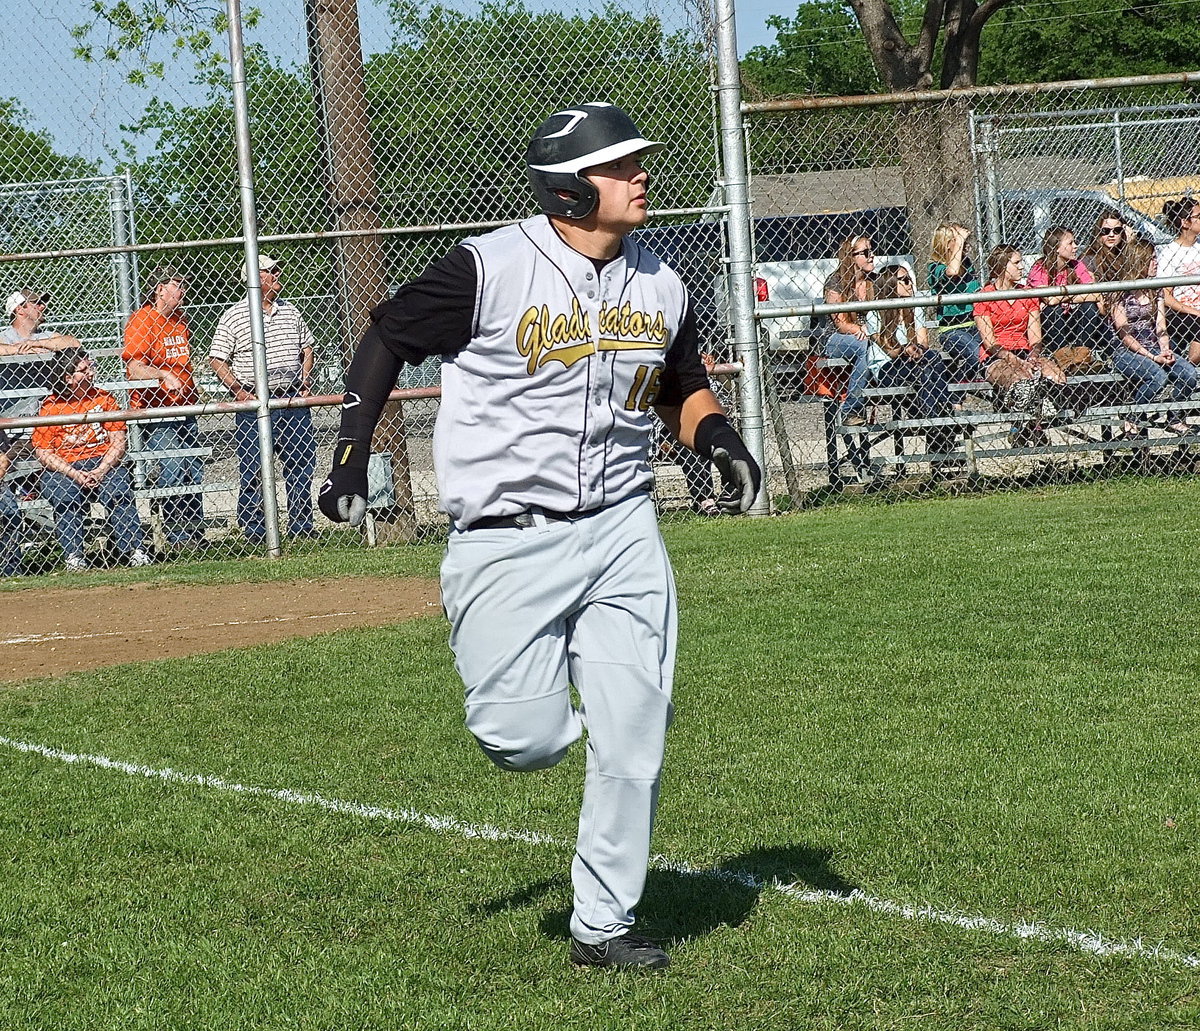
x: 626, y: 952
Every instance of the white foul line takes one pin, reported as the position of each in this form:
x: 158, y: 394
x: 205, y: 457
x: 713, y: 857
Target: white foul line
x: 141, y: 630
x: 1083, y: 941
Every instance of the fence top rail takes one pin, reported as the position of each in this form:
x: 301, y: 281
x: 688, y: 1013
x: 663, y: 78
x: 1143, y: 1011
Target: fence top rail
x: 210, y: 408
x: 1184, y: 112
x: 768, y: 107
x: 310, y: 237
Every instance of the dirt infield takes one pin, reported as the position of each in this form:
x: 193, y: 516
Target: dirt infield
x: 57, y: 631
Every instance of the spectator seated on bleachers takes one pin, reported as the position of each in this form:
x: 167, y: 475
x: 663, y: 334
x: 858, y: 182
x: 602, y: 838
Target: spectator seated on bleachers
x: 1145, y: 356
x: 1103, y: 256
x: 900, y: 355
x: 1181, y: 257
x: 10, y: 515
x: 25, y: 310
x: 844, y: 334
x: 82, y: 463
x: 951, y: 271
x: 1073, y: 330
x: 1024, y: 380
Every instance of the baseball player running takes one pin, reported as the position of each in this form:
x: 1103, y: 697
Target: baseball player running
x: 556, y: 336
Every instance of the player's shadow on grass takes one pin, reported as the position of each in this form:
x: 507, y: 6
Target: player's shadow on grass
x: 681, y: 905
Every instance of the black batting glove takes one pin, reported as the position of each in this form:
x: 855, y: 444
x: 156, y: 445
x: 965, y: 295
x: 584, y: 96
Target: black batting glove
x: 741, y: 477
x: 343, y: 497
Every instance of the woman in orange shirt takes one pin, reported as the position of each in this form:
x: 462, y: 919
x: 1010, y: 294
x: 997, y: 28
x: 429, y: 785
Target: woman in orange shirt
x: 82, y: 463
x: 1011, y: 351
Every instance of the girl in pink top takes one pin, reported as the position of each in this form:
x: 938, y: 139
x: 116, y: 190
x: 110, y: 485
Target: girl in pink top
x: 1073, y: 327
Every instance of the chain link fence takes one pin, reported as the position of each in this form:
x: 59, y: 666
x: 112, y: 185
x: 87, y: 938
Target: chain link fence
x: 868, y: 212
x: 382, y: 135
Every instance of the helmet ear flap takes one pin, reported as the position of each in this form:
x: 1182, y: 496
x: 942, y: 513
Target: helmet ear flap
x: 580, y: 203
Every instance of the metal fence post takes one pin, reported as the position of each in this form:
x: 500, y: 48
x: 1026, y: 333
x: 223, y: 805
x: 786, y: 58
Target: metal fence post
x: 736, y: 176
x: 237, y: 68
x: 121, y: 206
x: 985, y: 151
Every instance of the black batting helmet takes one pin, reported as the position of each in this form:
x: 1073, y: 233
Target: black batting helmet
x: 568, y: 142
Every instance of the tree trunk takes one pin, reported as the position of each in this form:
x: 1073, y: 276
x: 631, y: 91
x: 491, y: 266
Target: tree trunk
x: 335, y: 53
x: 934, y: 143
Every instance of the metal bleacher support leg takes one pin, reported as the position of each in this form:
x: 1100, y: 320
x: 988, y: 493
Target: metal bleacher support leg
x: 829, y: 410
x: 968, y: 432
x: 783, y: 440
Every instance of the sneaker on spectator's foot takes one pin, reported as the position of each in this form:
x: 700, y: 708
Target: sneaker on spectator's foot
x: 707, y: 507
x: 76, y: 563
x: 139, y: 558
x: 854, y: 420
x: 626, y: 952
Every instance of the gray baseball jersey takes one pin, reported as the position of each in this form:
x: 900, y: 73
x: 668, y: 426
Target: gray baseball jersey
x: 549, y: 405
x: 550, y: 365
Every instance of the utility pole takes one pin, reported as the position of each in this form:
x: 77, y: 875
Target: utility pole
x: 336, y: 60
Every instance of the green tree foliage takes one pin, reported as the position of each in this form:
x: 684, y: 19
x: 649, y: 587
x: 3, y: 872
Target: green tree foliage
x: 823, y: 49
x: 450, y: 128
x: 1081, y: 39
x: 820, y: 51
x: 840, y: 47
x: 27, y: 155
x: 31, y: 210
x: 187, y: 185
x: 141, y: 29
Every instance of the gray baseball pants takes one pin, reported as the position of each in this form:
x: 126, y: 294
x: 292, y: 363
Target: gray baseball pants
x: 589, y: 603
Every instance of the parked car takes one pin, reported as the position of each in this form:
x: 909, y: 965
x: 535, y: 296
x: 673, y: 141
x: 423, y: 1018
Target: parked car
x: 1022, y: 216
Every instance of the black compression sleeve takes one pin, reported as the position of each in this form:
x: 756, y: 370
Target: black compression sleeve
x: 369, y: 380
x: 432, y: 315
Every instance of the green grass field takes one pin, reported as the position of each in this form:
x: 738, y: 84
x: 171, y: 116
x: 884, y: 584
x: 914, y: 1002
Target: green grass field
x: 986, y: 707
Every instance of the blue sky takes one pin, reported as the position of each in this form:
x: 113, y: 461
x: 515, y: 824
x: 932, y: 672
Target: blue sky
x: 83, y: 107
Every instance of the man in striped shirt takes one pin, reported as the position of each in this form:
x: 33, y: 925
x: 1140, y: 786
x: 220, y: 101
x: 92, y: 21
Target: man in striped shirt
x: 289, y: 345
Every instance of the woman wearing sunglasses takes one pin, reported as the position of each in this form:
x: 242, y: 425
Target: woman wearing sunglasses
x: 1103, y: 256
x: 900, y: 355
x: 846, y: 332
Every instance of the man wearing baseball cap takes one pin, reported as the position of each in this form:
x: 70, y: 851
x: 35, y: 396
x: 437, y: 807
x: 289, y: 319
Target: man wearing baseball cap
x: 289, y: 344
x: 25, y: 310
x: 158, y: 347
